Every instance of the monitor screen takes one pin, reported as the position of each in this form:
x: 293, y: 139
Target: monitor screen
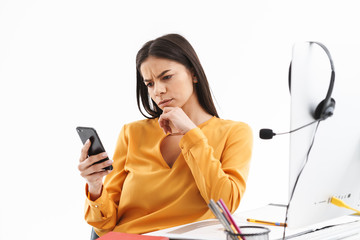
x: 333, y: 163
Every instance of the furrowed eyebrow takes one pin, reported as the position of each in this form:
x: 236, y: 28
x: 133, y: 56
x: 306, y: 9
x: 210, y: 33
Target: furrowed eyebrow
x: 159, y: 76
x: 163, y: 73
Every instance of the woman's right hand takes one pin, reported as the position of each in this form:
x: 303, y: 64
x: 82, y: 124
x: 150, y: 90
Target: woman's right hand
x: 93, y: 173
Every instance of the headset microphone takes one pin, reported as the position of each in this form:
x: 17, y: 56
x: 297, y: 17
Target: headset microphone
x: 267, y: 133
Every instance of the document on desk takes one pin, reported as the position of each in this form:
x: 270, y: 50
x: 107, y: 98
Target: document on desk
x: 268, y: 213
x: 212, y: 229
x: 272, y: 213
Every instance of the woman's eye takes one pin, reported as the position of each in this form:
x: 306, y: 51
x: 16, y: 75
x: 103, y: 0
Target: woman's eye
x: 167, y: 77
x: 150, y: 84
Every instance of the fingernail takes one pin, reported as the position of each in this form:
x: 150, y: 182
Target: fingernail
x: 104, y: 154
x: 87, y: 141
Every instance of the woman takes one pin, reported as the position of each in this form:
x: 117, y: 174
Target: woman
x: 168, y: 166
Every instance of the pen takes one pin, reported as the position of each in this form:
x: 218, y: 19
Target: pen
x: 265, y: 222
x: 216, y: 211
x: 228, y: 216
x: 227, y: 213
x: 219, y: 215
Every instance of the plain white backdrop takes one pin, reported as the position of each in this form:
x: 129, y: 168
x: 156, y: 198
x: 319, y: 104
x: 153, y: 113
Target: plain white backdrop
x: 72, y: 62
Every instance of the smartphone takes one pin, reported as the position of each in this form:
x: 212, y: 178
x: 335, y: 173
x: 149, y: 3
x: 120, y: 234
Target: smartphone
x: 96, y: 146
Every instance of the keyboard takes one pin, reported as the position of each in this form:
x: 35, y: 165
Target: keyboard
x: 348, y: 231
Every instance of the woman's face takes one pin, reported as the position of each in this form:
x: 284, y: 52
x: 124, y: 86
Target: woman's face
x: 169, y: 83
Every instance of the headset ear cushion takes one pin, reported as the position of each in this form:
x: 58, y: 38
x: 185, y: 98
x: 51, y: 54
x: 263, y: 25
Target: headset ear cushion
x: 289, y: 77
x: 323, y: 113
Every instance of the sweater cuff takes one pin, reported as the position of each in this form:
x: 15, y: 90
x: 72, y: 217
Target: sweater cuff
x: 99, y: 202
x: 191, y: 138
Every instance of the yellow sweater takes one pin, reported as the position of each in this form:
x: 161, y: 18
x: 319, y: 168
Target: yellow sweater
x: 143, y: 194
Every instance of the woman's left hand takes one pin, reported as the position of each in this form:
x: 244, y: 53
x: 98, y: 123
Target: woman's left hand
x: 174, y: 120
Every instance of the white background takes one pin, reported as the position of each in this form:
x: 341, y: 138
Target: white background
x: 71, y: 62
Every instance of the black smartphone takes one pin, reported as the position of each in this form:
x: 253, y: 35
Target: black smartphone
x: 96, y: 147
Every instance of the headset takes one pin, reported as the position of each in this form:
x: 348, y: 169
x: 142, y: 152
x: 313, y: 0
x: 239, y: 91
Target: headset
x: 323, y: 110
x: 326, y: 107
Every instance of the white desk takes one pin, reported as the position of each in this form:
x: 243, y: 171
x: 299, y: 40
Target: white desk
x: 347, y: 227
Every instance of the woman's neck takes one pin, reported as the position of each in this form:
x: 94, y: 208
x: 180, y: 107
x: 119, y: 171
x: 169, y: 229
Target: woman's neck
x: 196, y: 112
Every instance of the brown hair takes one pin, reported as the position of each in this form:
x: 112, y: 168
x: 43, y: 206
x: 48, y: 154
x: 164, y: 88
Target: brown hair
x: 173, y: 47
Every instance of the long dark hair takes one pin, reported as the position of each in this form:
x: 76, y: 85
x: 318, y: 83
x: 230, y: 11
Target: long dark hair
x: 173, y: 47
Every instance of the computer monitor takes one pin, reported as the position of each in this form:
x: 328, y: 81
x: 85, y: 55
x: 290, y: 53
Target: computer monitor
x: 333, y: 166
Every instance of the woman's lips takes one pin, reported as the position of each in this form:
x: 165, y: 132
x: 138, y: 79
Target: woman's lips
x: 164, y: 103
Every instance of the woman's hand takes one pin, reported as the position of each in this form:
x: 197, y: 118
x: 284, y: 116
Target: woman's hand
x: 93, y: 174
x: 174, y: 120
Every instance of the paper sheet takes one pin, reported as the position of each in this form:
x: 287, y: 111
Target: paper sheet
x: 213, y: 230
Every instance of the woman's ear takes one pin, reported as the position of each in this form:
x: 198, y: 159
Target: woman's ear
x: 192, y: 71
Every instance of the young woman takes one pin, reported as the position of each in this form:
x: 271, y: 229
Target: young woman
x: 167, y: 167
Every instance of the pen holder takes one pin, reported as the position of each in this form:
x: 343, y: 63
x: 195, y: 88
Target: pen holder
x: 249, y: 233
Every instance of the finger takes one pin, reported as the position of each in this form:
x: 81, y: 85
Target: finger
x: 163, y: 122
x: 171, y: 114
x: 95, y: 158
x: 85, y: 150
x: 95, y: 168
x: 165, y: 125
x: 169, y: 121
x: 91, y: 160
x: 167, y: 109
x: 98, y: 168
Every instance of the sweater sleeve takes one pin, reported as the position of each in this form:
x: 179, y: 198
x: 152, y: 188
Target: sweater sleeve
x: 223, y: 177
x: 102, y: 213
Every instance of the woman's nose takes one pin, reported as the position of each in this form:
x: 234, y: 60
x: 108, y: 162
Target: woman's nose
x: 159, y: 88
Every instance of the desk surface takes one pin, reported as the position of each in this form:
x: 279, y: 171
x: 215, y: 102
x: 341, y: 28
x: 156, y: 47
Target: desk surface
x: 212, y: 229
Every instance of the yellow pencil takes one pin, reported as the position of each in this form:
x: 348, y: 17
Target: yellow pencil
x: 265, y: 222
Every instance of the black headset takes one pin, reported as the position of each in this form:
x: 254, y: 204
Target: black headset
x: 326, y: 107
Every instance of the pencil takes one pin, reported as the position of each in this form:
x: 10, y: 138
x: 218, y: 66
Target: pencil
x: 268, y: 223
x: 228, y: 216
x: 216, y: 211
x: 219, y: 215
